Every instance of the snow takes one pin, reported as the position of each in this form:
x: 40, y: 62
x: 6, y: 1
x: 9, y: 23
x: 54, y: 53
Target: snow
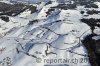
x: 25, y: 13
x: 60, y: 36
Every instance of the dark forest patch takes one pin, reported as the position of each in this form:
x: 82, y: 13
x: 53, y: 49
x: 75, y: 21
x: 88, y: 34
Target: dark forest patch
x: 49, y: 11
x: 66, y: 6
x: 92, y: 46
x: 15, y: 9
x: 91, y: 12
x: 32, y: 22
x: 92, y: 22
x: 5, y: 18
x: 61, y: 6
x: 91, y: 6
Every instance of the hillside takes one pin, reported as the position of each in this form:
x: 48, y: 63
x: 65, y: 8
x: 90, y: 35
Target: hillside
x: 49, y: 33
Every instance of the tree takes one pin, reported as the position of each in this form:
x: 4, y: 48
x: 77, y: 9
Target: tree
x: 82, y: 12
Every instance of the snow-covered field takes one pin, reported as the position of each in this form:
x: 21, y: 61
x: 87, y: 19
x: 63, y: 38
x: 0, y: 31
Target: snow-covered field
x: 28, y: 39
